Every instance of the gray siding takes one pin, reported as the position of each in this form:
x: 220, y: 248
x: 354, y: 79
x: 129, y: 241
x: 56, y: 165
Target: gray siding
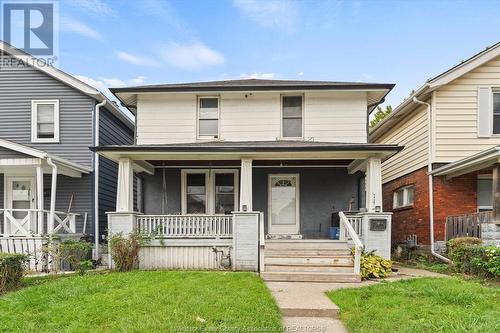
x: 1, y: 194
x: 7, y: 153
x: 19, y: 86
x: 322, y: 190
x: 111, y: 132
x: 82, y: 191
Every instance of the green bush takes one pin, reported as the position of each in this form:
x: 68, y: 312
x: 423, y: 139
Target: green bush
x: 373, y: 266
x: 12, y: 267
x: 125, y: 251
x: 469, y: 256
x: 76, y: 253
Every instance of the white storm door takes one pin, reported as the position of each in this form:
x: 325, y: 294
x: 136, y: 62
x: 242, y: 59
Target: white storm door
x: 284, y: 204
x: 20, y: 197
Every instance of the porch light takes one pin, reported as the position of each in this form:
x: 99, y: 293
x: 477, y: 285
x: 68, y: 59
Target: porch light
x: 378, y: 209
x: 244, y: 208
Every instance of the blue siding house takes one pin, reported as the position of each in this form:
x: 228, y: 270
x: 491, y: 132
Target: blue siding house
x: 51, y: 182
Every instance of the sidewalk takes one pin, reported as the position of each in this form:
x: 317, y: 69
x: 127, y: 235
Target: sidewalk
x: 305, y: 307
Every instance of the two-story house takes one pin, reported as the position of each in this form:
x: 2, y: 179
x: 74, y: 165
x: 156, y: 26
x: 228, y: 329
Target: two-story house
x: 51, y: 182
x: 257, y: 169
x: 450, y: 130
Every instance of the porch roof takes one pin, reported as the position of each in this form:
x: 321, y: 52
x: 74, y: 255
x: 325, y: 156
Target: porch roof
x: 264, y: 150
x: 482, y: 160
x: 36, y: 156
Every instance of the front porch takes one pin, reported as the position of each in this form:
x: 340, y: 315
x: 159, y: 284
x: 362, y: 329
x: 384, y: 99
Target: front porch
x: 246, y: 202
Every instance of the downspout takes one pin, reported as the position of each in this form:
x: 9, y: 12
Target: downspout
x: 96, y: 179
x: 50, y: 222
x: 431, y: 182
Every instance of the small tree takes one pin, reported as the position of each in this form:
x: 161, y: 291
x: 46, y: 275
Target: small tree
x: 380, y: 114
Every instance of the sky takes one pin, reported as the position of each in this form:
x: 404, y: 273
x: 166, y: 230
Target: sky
x: 122, y: 43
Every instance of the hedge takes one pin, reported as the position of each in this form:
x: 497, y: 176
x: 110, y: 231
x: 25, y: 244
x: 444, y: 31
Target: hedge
x: 469, y: 256
x: 12, y: 266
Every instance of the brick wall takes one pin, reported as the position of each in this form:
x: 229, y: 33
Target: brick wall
x: 451, y: 197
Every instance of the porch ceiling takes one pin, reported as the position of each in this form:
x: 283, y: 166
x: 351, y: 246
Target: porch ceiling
x: 256, y: 163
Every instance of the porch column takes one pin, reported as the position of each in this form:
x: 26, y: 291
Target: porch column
x: 39, y: 198
x: 246, y: 185
x: 373, y: 184
x: 125, y: 186
x: 496, y: 193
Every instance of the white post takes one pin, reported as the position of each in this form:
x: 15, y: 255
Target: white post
x: 373, y: 185
x: 125, y: 188
x: 53, y: 191
x: 39, y: 197
x: 246, y: 185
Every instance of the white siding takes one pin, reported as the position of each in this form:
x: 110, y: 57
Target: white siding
x: 411, y: 133
x: 255, y: 117
x: 166, y: 119
x: 336, y: 117
x: 180, y: 257
x: 328, y: 116
x: 456, y: 107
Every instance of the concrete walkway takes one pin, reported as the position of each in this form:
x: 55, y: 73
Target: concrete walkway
x: 305, y: 307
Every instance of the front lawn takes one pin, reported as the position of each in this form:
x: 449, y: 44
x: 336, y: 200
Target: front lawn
x: 160, y: 301
x: 420, y: 305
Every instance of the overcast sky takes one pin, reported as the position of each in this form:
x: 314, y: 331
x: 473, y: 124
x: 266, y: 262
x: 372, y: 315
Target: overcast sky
x: 121, y: 43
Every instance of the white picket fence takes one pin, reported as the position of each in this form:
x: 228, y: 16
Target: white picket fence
x: 186, y: 226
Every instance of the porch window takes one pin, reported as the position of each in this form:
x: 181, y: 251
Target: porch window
x: 292, y: 117
x: 496, y: 112
x: 403, y: 197
x: 209, y: 191
x: 45, y: 121
x: 208, y: 117
x: 484, y: 193
x: 196, y: 192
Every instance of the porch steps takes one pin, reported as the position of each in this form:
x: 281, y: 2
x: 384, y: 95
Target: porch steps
x: 308, y: 261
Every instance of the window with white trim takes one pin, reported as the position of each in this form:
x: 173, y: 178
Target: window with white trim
x: 208, y: 117
x: 496, y: 112
x: 291, y: 124
x: 209, y: 191
x: 403, y: 197
x: 45, y: 121
x: 484, y: 193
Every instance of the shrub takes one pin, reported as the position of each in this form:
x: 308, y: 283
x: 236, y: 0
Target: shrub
x: 75, y: 252
x: 373, y: 266
x: 460, y: 252
x: 83, y: 266
x: 12, y: 268
x: 125, y: 251
x: 459, y: 242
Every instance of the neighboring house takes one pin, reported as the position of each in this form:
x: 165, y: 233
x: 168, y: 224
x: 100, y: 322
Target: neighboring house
x: 254, y: 168
x: 450, y: 128
x: 51, y: 181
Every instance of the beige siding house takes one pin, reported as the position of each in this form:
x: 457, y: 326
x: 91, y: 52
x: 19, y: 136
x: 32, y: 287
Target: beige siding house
x: 255, y: 175
x: 450, y: 128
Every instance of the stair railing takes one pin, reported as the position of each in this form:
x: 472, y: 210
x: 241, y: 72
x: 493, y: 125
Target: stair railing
x: 346, y: 229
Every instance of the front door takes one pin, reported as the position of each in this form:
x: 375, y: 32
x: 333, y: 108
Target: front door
x: 284, y: 204
x: 20, y: 197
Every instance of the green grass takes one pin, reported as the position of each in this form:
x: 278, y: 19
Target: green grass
x: 420, y: 305
x: 160, y: 301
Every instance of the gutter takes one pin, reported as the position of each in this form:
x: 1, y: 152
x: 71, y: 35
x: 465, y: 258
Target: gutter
x: 430, y: 178
x: 50, y: 222
x: 96, y: 178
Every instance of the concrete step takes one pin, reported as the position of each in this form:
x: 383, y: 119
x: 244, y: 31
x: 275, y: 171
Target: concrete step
x: 314, y: 261
x: 306, y: 244
x: 310, y: 277
x: 306, y: 252
x: 309, y: 268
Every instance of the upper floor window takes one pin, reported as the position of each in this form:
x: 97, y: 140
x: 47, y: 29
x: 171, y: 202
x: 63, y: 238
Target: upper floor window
x: 292, y: 117
x: 403, y: 197
x: 208, y: 117
x: 45, y: 121
x: 496, y: 112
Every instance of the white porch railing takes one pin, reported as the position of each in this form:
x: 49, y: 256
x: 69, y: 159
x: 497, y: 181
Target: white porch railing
x: 32, y: 222
x: 186, y: 226
x: 356, y: 222
x: 347, y: 231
